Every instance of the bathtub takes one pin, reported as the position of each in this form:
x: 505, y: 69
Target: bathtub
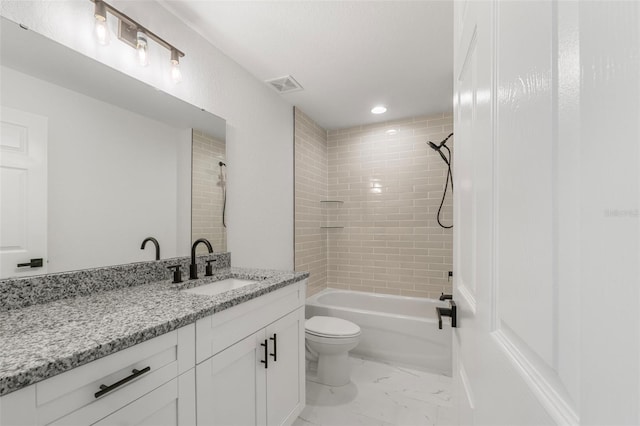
x: 397, y: 329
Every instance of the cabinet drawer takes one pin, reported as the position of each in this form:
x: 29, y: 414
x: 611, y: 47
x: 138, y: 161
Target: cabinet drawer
x: 166, y: 357
x: 219, y: 331
x: 171, y: 404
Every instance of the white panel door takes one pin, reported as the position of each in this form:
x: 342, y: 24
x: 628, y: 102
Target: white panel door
x: 546, y: 231
x: 23, y: 192
x: 506, y: 350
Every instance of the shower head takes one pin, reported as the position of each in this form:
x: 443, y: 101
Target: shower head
x: 438, y: 147
x: 222, y: 164
x: 434, y: 146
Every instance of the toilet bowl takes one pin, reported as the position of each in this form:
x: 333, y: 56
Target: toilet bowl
x: 330, y: 340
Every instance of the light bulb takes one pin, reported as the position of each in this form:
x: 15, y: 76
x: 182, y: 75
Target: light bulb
x: 102, y: 31
x: 176, y: 74
x: 143, y: 54
x: 101, y: 27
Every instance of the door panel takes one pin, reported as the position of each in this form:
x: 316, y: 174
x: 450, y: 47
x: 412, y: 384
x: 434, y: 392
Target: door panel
x: 23, y: 191
x: 505, y: 349
x: 546, y: 226
x: 525, y: 175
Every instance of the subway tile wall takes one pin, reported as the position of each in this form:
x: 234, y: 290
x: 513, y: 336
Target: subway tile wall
x: 391, y: 186
x: 206, y: 191
x: 310, y: 189
x: 385, y: 186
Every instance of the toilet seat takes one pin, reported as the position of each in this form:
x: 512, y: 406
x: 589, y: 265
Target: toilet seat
x: 331, y: 328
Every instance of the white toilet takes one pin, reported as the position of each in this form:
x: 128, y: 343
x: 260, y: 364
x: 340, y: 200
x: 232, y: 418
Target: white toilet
x: 329, y: 340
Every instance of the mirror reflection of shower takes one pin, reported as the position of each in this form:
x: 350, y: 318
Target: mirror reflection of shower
x: 223, y: 185
x: 208, y: 190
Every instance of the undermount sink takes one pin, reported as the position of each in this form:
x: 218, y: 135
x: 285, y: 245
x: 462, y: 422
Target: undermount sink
x: 219, y: 287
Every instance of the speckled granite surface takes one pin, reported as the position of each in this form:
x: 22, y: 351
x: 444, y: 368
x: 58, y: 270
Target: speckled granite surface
x: 16, y: 293
x: 40, y: 341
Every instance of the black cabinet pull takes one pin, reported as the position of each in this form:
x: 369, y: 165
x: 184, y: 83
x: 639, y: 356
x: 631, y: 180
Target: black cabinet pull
x: 34, y: 263
x: 135, y: 373
x: 266, y: 354
x: 275, y: 348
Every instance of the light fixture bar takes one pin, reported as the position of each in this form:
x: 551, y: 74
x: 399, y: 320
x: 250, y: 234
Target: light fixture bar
x: 124, y: 18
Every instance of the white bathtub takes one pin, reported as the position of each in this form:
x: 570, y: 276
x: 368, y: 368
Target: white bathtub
x: 397, y: 329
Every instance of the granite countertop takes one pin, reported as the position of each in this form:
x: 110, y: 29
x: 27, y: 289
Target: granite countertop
x: 41, y: 341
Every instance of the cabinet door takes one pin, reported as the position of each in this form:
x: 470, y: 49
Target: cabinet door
x: 285, y: 375
x: 230, y: 385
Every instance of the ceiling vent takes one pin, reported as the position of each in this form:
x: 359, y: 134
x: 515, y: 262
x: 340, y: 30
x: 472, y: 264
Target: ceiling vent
x: 286, y: 84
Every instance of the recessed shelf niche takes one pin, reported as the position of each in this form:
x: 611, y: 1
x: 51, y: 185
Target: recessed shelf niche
x: 325, y: 213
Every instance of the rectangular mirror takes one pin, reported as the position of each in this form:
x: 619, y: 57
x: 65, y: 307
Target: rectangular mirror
x: 93, y: 161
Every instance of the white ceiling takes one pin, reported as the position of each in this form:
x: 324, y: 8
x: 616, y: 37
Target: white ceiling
x: 348, y: 55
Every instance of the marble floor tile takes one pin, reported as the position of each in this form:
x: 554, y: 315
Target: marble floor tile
x: 380, y: 394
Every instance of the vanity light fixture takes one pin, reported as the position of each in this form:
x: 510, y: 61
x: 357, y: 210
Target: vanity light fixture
x: 135, y: 35
x: 380, y: 109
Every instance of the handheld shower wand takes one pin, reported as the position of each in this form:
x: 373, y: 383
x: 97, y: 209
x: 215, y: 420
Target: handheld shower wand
x: 439, y: 148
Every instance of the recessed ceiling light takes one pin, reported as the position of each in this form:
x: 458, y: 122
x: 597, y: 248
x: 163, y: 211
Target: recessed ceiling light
x: 391, y: 132
x: 380, y: 109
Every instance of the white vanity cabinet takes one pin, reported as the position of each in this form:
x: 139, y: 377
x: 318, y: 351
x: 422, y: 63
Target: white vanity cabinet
x: 150, y: 383
x: 243, y: 366
x: 250, y: 361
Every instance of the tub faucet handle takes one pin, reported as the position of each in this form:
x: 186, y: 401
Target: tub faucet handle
x: 451, y: 311
x: 446, y: 296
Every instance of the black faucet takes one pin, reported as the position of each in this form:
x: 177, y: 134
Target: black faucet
x: 155, y: 243
x: 193, y: 269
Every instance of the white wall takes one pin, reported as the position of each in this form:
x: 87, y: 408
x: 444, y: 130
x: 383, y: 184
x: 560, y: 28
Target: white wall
x: 259, y: 122
x: 112, y: 176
